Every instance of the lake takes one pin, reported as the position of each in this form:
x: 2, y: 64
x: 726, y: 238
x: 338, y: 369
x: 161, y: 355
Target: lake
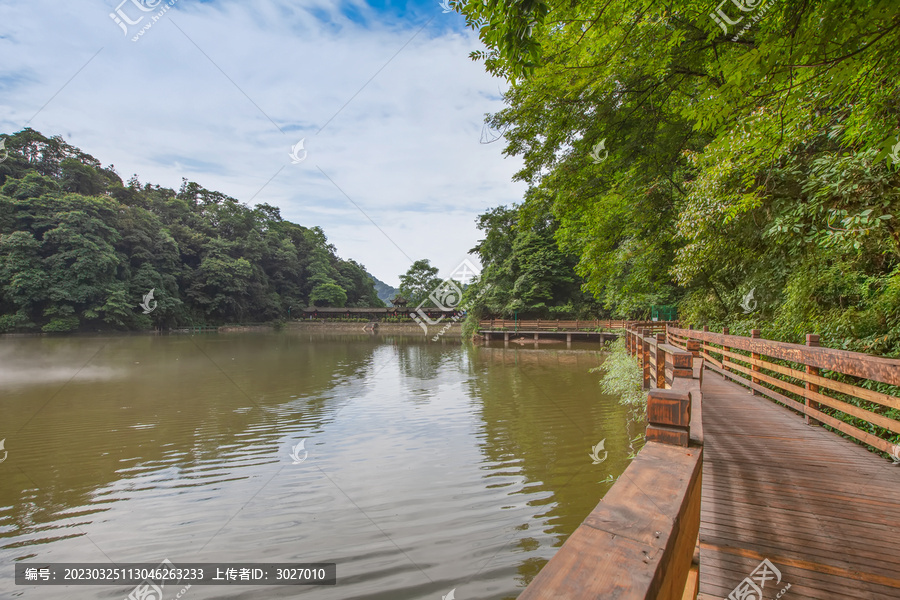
x: 424, y: 467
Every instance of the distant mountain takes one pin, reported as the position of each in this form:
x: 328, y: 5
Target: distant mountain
x: 384, y: 291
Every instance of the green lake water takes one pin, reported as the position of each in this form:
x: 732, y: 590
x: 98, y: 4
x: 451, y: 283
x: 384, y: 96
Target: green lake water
x: 425, y: 467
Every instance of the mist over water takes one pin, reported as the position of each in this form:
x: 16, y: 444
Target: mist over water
x: 425, y: 466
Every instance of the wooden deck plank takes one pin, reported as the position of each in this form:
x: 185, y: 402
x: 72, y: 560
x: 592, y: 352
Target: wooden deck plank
x: 824, y: 510
x: 804, y: 583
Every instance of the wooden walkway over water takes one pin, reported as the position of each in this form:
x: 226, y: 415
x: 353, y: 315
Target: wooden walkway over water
x: 736, y: 479
x: 824, y: 510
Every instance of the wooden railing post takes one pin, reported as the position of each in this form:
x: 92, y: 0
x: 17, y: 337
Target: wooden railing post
x: 725, y: 349
x: 645, y: 359
x: 812, y: 340
x: 669, y: 417
x: 638, y: 347
x: 693, y: 346
x: 682, y: 367
x: 660, y: 361
x: 754, y: 334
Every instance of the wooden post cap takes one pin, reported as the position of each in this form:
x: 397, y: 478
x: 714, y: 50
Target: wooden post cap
x: 669, y: 417
x: 693, y: 347
x: 669, y: 407
x: 683, y: 360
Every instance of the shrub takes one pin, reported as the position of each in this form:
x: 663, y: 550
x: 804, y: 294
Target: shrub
x: 621, y: 375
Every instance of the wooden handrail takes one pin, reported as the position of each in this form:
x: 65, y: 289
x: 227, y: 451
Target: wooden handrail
x: 639, y: 542
x: 856, y: 364
x: 576, y: 325
x: 811, y: 392
x: 652, y: 350
x: 556, y: 324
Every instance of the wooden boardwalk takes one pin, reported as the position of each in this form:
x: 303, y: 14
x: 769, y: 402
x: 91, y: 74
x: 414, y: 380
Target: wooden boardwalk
x: 824, y: 510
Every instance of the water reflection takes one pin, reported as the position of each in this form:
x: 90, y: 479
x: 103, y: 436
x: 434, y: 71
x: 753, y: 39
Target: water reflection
x: 430, y: 466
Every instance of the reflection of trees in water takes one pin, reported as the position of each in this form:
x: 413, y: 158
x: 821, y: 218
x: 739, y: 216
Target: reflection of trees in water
x: 171, y: 404
x: 419, y: 361
x: 425, y: 365
x: 540, y: 408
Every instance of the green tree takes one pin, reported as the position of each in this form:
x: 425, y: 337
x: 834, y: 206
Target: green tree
x: 525, y: 272
x: 687, y: 162
x: 418, y: 282
x: 328, y: 294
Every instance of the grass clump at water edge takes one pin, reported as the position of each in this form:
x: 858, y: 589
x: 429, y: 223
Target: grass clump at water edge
x: 621, y: 375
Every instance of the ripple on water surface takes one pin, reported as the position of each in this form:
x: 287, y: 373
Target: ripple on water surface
x: 418, y: 468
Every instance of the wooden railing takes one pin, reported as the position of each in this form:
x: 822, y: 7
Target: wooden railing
x: 640, y: 542
x: 848, y: 391
x: 577, y: 325
x: 549, y: 325
x: 660, y: 362
x: 651, y: 326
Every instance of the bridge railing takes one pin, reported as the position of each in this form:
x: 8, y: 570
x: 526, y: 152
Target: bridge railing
x: 660, y: 361
x: 576, y: 325
x: 854, y: 393
x: 640, y: 542
x: 651, y: 326
x: 551, y: 324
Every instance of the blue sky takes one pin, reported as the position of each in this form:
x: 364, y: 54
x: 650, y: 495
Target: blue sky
x: 383, y: 94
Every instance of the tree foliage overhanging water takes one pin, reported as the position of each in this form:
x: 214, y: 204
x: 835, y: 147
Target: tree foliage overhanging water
x: 682, y: 161
x: 80, y: 249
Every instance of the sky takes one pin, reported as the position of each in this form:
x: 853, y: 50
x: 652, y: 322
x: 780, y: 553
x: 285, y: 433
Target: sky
x: 387, y: 103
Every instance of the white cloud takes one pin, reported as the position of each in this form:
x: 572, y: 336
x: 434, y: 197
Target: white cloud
x: 405, y: 148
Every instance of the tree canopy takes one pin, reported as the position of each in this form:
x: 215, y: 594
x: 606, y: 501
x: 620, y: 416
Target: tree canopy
x: 80, y: 249
x: 419, y: 281
x: 691, y: 153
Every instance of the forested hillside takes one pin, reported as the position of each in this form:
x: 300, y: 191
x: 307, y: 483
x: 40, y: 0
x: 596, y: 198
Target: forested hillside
x: 742, y: 166
x: 80, y: 250
x: 385, y: 292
